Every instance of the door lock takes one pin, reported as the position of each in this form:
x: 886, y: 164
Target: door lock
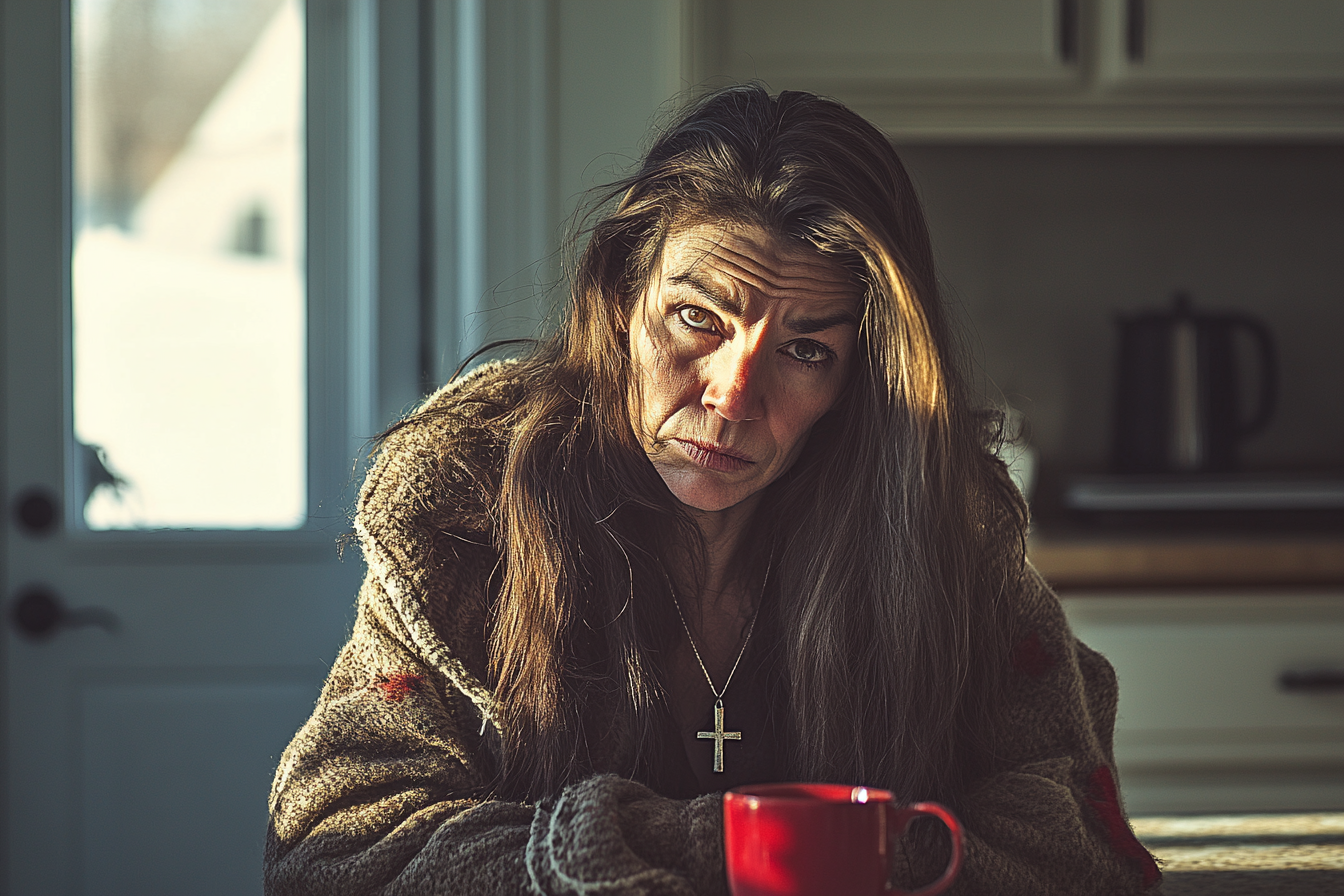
x: 36, y: 511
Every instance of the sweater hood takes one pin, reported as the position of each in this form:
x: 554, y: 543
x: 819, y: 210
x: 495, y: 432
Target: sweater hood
x: 425, y: 521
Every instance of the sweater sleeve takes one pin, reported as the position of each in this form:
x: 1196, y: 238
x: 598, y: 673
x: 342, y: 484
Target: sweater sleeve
x: 1049, y: 820
x: 379, y: 793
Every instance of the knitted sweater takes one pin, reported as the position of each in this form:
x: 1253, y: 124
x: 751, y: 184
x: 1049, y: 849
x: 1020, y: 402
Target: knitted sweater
x: 383, y: 791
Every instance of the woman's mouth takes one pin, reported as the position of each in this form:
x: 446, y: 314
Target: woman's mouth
x: 714, y: 457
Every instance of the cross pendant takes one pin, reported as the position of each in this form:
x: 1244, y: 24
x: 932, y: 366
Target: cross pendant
x: 718, y: 735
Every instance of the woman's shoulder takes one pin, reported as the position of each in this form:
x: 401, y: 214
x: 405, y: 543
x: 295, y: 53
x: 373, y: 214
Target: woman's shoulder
x: 1035, y: 617
x: 487, y: 391
x: 439, y: 468
x: 472, y: 411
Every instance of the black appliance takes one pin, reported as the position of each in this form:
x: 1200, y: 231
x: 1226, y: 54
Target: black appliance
x: 1179, y: 404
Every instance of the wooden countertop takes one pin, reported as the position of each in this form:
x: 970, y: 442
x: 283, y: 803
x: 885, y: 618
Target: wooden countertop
x: 1153, y: 560
x: 1247, y: 854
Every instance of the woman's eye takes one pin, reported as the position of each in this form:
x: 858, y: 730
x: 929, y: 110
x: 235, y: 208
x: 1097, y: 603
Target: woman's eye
x: 696, y: 318
x: 808, y: 352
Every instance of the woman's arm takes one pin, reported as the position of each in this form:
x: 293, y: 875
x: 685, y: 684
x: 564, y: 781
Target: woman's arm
x: 382, y: 790
x: 378, y: 793
x: 1050, y: 821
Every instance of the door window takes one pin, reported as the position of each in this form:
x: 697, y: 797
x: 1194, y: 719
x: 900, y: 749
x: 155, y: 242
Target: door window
x: 187, y: 281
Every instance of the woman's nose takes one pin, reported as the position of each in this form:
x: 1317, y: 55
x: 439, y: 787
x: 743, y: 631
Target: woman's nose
x: 735, y: 390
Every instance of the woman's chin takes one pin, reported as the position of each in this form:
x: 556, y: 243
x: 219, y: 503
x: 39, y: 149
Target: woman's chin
x: 705, y: 491
x: 708, y: 503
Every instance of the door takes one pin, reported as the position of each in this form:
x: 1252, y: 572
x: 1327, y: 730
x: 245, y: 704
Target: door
x: 851, y: 48
x: 178, y: 649
x: 172, y: 604
x: 1292, y: 47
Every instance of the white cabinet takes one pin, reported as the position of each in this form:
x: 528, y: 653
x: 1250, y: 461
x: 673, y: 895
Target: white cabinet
x: 1205, y: 721
x: 1043, y: 69
x: 1285, y: 46
x: 908, y: 44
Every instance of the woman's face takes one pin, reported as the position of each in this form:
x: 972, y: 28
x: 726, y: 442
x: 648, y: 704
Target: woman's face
x: 740, y: 342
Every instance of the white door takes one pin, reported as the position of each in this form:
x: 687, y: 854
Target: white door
x: 153, y: 673
x: 854, y: 49
x: 1254, y: 47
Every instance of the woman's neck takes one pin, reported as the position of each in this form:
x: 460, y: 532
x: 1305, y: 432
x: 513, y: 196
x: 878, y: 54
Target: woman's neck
x: 722, y: 532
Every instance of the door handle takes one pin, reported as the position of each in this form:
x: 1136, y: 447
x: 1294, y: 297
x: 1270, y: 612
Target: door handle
x: 37, y: 612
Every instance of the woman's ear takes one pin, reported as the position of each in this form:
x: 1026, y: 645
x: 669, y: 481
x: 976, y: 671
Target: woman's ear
x: 625, y: 312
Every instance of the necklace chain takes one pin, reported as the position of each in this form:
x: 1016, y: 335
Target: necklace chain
x: 719, y: 692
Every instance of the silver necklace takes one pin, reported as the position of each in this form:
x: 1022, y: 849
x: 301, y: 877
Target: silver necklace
x: 718, y: 735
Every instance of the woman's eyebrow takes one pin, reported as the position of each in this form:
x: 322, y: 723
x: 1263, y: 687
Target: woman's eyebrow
x: 801, y: 325
x: 804, y: 325
x: 724, y: 302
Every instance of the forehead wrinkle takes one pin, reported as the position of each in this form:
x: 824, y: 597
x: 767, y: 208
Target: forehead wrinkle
x: 746, y: 269
x: 800, y: 322
x: 724, y: 301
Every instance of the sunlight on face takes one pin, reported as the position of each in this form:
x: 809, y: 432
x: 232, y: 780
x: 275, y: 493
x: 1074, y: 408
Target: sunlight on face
x: 740, y: 342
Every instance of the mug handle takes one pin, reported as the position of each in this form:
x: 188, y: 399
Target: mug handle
x: 899, y: 821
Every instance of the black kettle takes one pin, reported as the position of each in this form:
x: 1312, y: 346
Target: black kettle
x: 1178, y: 404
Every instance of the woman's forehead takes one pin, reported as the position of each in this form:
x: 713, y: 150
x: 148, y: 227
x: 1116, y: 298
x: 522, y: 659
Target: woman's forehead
x: 755, y: 257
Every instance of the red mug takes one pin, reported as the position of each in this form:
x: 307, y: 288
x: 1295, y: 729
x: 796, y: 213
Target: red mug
x: 814, y: 839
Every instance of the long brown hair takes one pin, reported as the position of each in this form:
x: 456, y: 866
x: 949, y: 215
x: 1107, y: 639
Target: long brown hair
x: 897, y: 537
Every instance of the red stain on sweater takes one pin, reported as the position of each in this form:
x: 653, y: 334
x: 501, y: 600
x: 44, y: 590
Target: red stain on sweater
x: 1031, y: 657
x: 1103, y: 797
x: 396, y: 686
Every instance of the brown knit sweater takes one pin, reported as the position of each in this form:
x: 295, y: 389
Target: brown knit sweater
x: 381, y: 792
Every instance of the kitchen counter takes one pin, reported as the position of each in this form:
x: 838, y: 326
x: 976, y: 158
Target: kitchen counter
x: 1300, y: 854
x: 1102, y: 560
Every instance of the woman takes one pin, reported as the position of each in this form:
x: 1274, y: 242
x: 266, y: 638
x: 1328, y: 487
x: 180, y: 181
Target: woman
x: 736, y: 521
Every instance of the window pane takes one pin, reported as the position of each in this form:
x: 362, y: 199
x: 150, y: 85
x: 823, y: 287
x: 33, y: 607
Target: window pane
x: 187, y: 280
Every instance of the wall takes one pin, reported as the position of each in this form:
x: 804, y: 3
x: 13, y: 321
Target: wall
x: 619, y: 66
x: 1039, y: 246
x: 570, y: 89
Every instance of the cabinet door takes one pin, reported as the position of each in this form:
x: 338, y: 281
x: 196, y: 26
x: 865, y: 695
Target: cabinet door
x: 1275, y: 44
x: 900, y: 45
x: 1227, y: 702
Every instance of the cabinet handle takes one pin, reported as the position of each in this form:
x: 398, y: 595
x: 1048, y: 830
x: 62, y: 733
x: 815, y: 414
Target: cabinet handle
x: 1312, y: 681
x: 1135, y: 29
x: 1068, y: 30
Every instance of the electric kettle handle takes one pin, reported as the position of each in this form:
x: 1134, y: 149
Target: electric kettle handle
x: 1269, y: 376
